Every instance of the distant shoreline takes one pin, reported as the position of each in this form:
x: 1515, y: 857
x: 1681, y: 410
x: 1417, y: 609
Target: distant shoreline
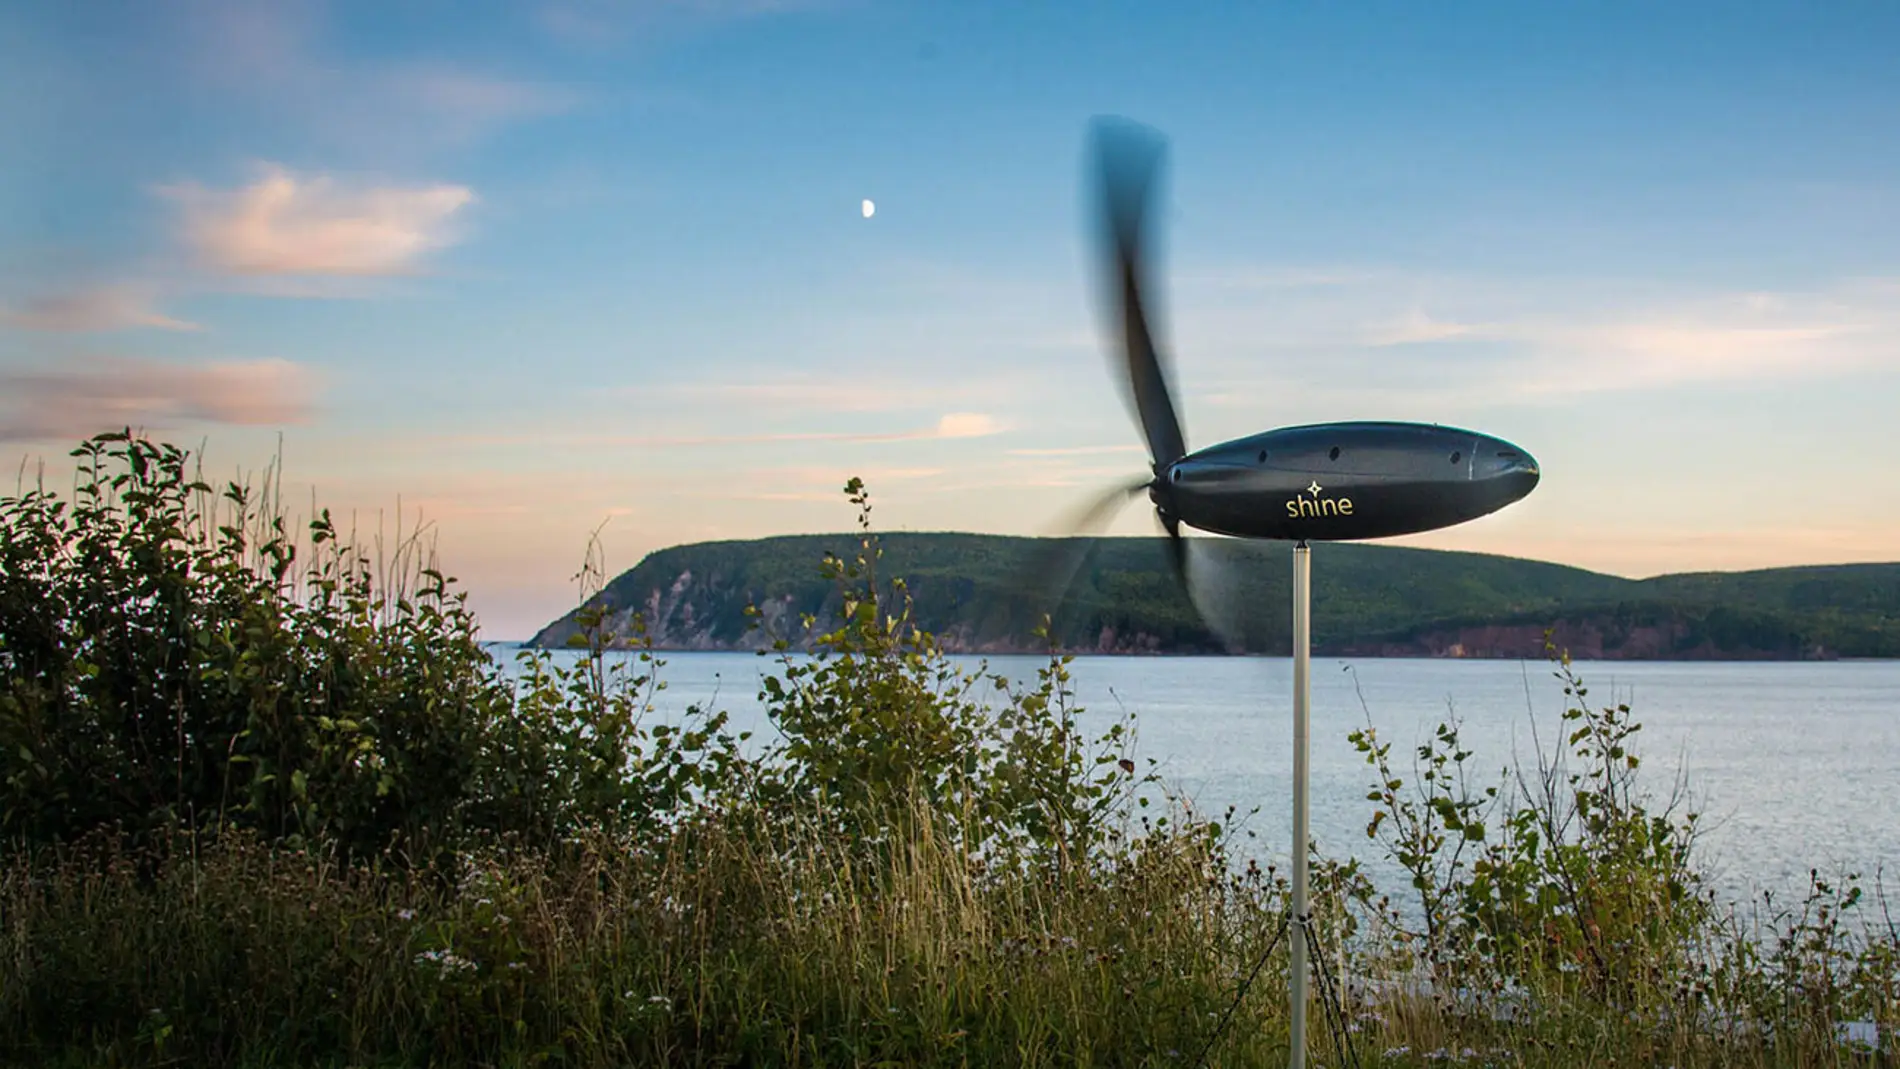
x: 527, y: 644
x: 986, y: 594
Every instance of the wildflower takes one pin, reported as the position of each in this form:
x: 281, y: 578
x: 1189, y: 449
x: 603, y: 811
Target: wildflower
x: 446, y: 962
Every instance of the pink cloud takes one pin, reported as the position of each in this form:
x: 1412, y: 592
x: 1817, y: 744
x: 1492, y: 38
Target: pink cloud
x: 950, y: 425
x: 68, y: 403
x: 286, y: 225
x: 101, y: 308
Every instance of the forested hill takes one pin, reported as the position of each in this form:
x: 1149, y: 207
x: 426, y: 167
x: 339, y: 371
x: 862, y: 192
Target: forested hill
x: 980, y: 593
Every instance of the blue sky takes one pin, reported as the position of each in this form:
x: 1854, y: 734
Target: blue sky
x: 528, y: 268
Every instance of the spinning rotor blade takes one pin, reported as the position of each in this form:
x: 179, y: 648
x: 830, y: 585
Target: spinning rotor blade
x: 1210, y: 573
x: 1103, y: 509
x: 1051, y: 571
x: 1208, y: 569
x: 1129, y: 160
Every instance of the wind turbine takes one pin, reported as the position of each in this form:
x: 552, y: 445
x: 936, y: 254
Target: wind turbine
x: 1324, y: 482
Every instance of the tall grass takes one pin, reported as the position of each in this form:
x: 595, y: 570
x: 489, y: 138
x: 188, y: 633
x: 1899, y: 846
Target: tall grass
x: 738, y: 942
x: 267, y: 804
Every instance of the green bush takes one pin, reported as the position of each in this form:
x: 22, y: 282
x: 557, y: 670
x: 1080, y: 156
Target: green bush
x: 878, y: 717
x: 163, y: 668
x: 169, y: 662
x: 1567, y: 886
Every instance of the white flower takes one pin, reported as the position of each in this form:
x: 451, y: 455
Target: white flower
x: 446, y: 962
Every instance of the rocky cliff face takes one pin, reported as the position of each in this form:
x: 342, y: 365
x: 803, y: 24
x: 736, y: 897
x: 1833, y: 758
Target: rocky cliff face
x: 684, y: 613
x: 676, y: 617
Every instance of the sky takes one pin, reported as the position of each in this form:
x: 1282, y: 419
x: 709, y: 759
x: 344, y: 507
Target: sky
x: 518, y: 272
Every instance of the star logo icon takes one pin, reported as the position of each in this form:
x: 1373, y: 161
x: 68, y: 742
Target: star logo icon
x: 1314, y: 489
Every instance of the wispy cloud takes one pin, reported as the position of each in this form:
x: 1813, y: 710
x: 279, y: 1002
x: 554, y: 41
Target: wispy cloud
x: 1417, y: 327
x: 604, y: 22
x: 950, y: 426
x: 1075, y: 451
x: 865, y: 386
x: 73, y: 402
x: 99, y: 308
x: 967, y: 425
x: 809, y: 395
x: 1744, y: 337
x: 1502, y: 339
x: 286, y: 225
x: 1283, y: 277
x: 473, y: 102
x: 278, y: 54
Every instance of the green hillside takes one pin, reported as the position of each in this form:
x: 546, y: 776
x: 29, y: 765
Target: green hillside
x: 985, y: 592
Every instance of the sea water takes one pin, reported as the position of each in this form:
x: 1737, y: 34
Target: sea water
x: 1794, y: 766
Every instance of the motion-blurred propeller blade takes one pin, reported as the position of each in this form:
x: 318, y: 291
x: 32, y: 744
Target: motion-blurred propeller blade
x: 1210, y: 573
x: 1129, y: 159
x: 1052, y: 568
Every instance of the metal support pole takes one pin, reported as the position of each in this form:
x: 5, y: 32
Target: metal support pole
x: 1302, y: 705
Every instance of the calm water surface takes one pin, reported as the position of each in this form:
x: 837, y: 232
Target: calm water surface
x: 1795, y: 765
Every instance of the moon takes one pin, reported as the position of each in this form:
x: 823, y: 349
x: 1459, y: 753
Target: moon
x: 869, y: 209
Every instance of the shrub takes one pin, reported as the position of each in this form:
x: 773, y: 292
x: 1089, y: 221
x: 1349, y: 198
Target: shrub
x: 168, y: 661
x: 879, y: 716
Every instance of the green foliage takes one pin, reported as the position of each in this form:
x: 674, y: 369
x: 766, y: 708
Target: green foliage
x: 1558, y: 873
x: 879, y: 715
x: 160, y: 668
x: 579, y: 751
x: 166, y: 661
x: 1566, y: 884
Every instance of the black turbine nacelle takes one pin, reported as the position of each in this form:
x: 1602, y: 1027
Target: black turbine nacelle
x: 1322, y: 482
x: 1333, y: 482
